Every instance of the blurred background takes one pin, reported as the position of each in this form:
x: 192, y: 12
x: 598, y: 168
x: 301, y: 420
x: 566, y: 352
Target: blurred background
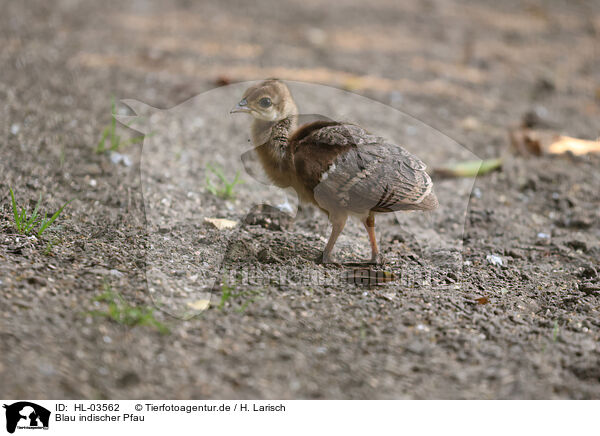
x: 485, y: 61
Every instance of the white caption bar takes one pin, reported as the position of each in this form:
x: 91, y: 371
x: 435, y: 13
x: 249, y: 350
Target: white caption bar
x: 21, y: 417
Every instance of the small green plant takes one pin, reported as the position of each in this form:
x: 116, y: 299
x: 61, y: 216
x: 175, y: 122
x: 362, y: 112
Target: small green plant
x: 226, y: 293
x: 110, y: 134
x: 225, y: 191
x: 245, y: 298
x: 26, y: 225
x: 49, y: 246
x: 62, y: 156
x: 121, y: 312
x: 555, y: 331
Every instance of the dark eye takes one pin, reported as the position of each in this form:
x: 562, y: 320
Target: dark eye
x: 265, y: 102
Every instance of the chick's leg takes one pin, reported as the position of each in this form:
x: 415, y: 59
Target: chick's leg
x: 338, y: 221
x: 369, y: 224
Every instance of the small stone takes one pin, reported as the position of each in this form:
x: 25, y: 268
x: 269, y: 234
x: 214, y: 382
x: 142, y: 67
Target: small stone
x: 590, y: 288
x: 494, y: 259
x: 116, y: 273
x: 269, y: 217
x: 130, y: 378
x: 470, y: 123
x: 588, y: 272
x: 116, y: 158
x: 542, y: 235
x: 266, y: 256
x: 285, y: 206
x: 577, y: 245
x: 516, y: 253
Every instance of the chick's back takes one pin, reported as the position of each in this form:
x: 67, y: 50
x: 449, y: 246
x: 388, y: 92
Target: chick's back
x: 345, y: 167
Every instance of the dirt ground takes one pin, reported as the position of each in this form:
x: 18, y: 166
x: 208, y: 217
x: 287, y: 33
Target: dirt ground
x: 469, y: 71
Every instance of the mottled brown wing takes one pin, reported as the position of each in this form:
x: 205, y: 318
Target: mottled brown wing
x: 370, y: 173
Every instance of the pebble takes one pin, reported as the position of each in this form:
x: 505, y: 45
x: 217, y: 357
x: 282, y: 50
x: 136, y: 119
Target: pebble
x: 116, y: 158
x: 470, y: 123
x: 494, y: 259
x: 116, y: 273
x: 285, y: 206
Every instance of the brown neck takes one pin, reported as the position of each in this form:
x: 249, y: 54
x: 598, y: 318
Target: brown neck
x: 271, y: 144
x: 276, y: 133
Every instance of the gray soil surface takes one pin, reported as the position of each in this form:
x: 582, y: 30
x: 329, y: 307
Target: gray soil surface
x: 453, y: 323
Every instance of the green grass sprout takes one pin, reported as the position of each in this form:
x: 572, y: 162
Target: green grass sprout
x: 244, y: 298
x: 50, y: 245
x: 121, y: 312
x: 110, y: 134
x: 555, y: 331
x: 26, y: 225
x: 225, y: 191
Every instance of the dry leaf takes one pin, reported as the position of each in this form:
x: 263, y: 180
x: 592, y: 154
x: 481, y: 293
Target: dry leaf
x: 469, y: 169
x: 574, y: 145
x: 541, y: 142
x: 199, y: 304
x: 482, y: 300
x: 221, y: 223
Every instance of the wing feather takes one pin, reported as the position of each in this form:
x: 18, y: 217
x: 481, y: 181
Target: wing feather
x: 368, y: 173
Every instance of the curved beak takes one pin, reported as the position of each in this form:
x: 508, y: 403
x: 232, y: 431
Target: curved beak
x: 242, y: 106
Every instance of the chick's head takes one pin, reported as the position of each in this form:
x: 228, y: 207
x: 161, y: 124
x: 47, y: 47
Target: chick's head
x: 270, y: 100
